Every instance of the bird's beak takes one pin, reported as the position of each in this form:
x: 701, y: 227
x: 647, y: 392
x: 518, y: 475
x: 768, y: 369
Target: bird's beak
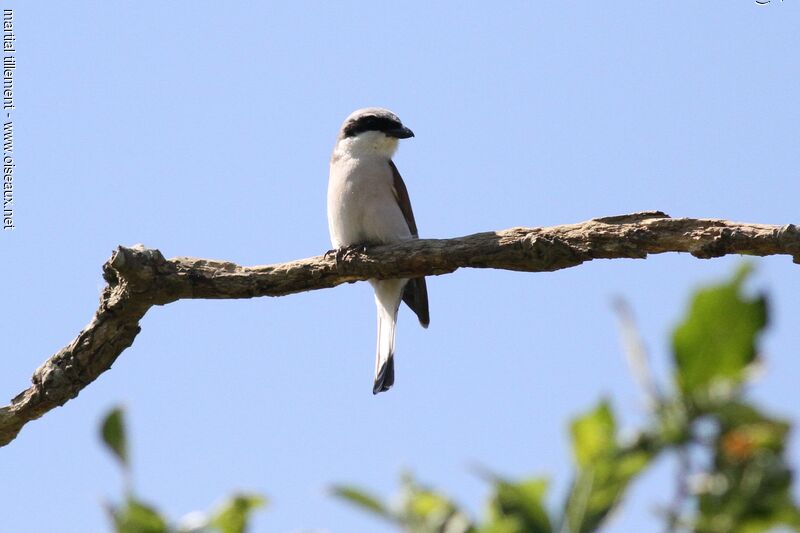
x: 400, y: 133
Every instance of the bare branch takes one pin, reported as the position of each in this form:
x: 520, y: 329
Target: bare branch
x: 139, y: 278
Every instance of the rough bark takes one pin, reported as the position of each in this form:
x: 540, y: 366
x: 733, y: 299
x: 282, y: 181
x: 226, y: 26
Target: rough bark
x: 140, y: 278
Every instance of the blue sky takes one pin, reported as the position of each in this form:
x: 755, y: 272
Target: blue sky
x: 204, y: 129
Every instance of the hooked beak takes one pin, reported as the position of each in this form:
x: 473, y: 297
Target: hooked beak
x: 400, y: 133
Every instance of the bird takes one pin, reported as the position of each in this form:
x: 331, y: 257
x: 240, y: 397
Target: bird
x: 368, y: 205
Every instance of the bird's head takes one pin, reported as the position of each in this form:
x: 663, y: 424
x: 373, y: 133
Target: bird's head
x: 371, y: 130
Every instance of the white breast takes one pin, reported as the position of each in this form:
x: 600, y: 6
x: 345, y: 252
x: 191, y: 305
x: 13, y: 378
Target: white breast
x: 362, y: 207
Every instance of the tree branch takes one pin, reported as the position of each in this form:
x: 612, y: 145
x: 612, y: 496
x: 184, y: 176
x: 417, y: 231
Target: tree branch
x: 140, y: 278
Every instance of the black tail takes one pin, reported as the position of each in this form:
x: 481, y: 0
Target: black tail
x: 385, y: 378
x: 415, y: 295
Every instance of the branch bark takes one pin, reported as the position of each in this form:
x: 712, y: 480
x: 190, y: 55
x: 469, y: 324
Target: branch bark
x: 140, y: 278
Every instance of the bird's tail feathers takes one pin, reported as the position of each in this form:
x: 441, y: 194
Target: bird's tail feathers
x: 387, y: 305
x: 384, y: 358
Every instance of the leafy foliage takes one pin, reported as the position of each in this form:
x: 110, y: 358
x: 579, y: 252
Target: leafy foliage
x: 518, y: 507
x: 135, y: 516
x: 112, y: 431
x: 363, y: 500
x: 604, y: 468
x: 748, y: 487
x: 232, y: 516
x: 419, y: 509
x: 741, y: 485
x: 717, y: 340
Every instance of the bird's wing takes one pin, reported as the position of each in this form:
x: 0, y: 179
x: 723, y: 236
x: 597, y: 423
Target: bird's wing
x: 401, y: 194
x: 415, y: 294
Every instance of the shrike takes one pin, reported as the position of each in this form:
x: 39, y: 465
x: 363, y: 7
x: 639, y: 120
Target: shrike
x: 367, y: 205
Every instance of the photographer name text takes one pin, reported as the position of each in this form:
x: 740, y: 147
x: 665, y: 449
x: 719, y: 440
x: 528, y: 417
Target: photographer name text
x: 9, y: 66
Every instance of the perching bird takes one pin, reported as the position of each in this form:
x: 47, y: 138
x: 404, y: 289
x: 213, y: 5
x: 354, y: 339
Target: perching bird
x: 367, y: 205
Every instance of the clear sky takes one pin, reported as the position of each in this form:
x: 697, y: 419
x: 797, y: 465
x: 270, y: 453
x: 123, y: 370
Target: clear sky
x: 204, y: 129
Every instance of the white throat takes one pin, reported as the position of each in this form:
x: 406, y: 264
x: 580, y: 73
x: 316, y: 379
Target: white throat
x: 369, y: 143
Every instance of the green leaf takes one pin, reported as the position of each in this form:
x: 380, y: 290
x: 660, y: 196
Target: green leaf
x: 233, y: 515
x: 424, y: 504
x: 138, y: 517
x: 599, y: 487
x: 717, y: 340
x: 605, y: 469
x: 362, y: 499
x: 112, y: 431
x: 501, y: 524
x: 593, y: 434
x: 519, y: 507
x: 423, y: 510
x: 420, y: 510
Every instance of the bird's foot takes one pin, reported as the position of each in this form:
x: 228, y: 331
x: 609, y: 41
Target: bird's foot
x: 340, y: 254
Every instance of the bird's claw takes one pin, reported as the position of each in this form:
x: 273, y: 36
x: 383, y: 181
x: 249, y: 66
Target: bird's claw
x: 340, y: 254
